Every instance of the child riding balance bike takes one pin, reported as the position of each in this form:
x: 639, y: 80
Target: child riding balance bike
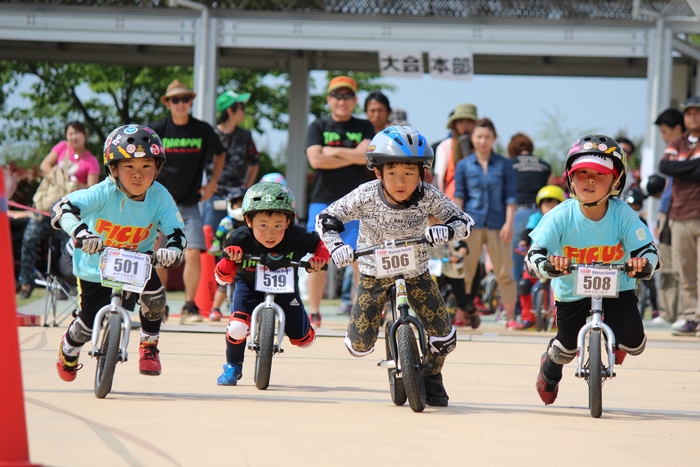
x: 396, y: 206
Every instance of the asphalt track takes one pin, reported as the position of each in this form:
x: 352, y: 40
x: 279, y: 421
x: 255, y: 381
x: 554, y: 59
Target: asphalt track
x: 326, y: 408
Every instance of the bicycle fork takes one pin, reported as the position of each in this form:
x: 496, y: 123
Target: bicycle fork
x: 403, y: 318
x: 114, y: 307
x: 595, y: 325
x: 281, y: 319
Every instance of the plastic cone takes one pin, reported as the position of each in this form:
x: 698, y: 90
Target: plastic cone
x: 204, y: 298
x: 14, y: 448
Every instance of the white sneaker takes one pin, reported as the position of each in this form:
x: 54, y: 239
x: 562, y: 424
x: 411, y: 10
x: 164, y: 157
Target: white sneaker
x: 658, y: 321
x: 678, y: 324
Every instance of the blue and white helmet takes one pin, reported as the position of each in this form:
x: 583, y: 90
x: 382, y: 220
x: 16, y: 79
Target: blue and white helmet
x: 399, y: 144
x: 274, y: 177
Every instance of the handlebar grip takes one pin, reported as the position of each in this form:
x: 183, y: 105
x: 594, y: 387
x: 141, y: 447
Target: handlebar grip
x: 307, y: 265
x: 646, y: 270
x: 549, y: 268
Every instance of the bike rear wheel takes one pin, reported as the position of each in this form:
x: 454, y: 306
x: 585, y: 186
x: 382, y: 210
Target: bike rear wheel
x: 413, y: 382
x: 595, y: 375
x: 266, y: 342
x: 398, y: 393
x: 108, y: 355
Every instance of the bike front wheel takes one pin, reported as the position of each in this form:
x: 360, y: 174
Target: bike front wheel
x: 266, y: 342
x: 595, y: 375
x: 413, y: 382
x: 108, y: 355
x: 398, y: 393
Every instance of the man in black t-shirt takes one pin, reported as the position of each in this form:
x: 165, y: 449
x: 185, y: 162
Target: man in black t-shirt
x: 187, y: 142
x: 336, y: 147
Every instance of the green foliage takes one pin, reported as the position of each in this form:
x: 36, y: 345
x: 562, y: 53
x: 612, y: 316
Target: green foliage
x: 557, y: 140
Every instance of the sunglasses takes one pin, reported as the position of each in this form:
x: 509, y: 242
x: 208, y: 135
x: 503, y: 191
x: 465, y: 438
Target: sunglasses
x: 342, y: 96
x: 177, y: 100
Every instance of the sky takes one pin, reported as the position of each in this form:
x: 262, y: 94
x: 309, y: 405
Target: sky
x: 513, y: 103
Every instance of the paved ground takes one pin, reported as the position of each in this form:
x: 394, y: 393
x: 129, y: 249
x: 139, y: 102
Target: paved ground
x: 326, y: 408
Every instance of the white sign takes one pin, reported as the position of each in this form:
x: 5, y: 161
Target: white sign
x: 597, y: 282
x: 394, y: 261
x: 123, y: 269
x: 279, y: 281
x: 393, y: 63
x: 452, y: 65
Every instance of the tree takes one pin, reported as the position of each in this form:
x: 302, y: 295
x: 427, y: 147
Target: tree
x: 558, y: 140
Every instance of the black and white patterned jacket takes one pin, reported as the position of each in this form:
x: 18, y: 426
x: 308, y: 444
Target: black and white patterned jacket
x: 380, y: 220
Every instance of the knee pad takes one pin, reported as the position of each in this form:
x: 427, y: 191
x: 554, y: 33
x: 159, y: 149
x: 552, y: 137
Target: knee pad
x: 560, y: 355
x: 238, y: 327
x: 356, y: 353
x: 306, y: 341
x: 442, y: 345
x: 78, y: 332
x: 636, y: 350
x: 524, y: 287
x: 153, y: 304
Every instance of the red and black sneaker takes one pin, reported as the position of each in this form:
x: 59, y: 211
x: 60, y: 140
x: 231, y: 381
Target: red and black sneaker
x: 546, y: 388
x: 215, y: 314
x: 619, y: 356
x: 149, y: 362
x: 67, y: 369
x: 315, y: 319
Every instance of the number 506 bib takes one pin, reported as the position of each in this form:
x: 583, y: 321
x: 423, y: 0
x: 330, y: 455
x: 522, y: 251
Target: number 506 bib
x: 393, y: 261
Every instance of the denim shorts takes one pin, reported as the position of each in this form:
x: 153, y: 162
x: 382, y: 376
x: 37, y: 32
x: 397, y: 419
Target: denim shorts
x: 194, y: 232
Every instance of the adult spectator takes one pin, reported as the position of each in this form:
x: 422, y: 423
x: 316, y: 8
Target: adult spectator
x: 399, y: 117
x: 452, y: 150
x: 633, y: 175
x: 486, y: 188
x: 187, y: 142
x: 378, y: 110
x: 681, y: 160
x: 531, y: 173
x: 84, y: 170
x: 242, y: 157
x: 671, y: 126
x: 336, y: 148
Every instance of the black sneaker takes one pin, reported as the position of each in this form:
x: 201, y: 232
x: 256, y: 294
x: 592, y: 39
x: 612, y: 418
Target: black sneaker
x: 688, y: 329
x: 190, y: 314
x: 435, y: 393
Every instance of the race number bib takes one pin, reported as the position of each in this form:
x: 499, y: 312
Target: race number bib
x: 279, y: 281
x: 599, y: 282
x: 393, y: 261
x: 123, y: 269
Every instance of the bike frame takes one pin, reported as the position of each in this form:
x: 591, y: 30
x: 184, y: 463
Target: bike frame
x: 114, y: 307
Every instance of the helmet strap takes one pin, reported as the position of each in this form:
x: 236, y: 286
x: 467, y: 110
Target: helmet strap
x: 601, y: 200
x: 416, y: 196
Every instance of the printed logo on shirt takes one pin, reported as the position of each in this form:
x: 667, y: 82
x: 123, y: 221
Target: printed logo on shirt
x: 182, y: 143
x: 294, y: 302
x: 331, y: 138
x: 604, y: 253
x: 122, y: 236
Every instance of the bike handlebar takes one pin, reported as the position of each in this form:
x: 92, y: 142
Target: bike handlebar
x: 549, y: 267
x: 284, y: 262
x: 78, y: 243
x: 390, y: 244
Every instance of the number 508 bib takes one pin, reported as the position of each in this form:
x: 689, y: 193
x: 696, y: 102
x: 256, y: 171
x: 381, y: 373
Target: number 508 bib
x: 600, y: 282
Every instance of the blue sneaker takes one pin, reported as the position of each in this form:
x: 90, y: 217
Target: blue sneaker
x: 231, y: 375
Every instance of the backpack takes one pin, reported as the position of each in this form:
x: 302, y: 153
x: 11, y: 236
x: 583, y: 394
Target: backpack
x: 53, y: 187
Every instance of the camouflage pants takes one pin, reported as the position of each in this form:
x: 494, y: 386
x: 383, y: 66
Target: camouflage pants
x: 424, y: 298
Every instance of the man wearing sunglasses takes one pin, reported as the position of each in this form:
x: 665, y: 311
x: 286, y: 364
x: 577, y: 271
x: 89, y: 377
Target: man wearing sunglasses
x: 188, y: 144
x: 336, y: 147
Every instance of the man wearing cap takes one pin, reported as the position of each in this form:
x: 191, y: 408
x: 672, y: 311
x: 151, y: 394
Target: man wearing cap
x: 336, y: 147
x: 242, y: 157
x: 187, y: 142
x: 681, y: 160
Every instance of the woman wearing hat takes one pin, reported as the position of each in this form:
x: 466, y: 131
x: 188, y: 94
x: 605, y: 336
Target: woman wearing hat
x: 242, y: 157
x: 454, y: 149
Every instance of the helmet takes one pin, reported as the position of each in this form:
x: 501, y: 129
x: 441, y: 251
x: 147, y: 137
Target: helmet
x: 603, y: 147
x: 274, y: 177
x: 550, y: 192
x: 269, y: 196
x: 654, y: 185
x: 132, y: 141
x: 235, y: 194
x: 399, y: 144
x: 634, y: 196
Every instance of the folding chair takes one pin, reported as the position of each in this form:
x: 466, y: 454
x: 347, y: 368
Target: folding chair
x: 58, y: 280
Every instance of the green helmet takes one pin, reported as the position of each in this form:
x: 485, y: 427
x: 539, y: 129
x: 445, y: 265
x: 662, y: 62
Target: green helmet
x: 269, y: 196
